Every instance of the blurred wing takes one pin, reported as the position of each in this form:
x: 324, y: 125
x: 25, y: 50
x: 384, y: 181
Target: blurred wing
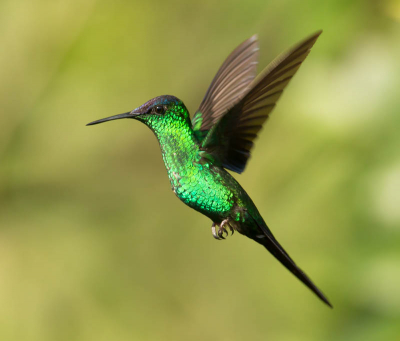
x: 228, y: 86
x: 231, y: 139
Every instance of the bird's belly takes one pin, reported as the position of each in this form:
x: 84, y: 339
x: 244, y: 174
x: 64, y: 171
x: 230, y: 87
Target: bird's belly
x: 202, y: 189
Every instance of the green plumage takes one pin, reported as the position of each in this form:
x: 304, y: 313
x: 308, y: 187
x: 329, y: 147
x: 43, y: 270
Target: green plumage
x: 194, y: 179
x: 220, y: 136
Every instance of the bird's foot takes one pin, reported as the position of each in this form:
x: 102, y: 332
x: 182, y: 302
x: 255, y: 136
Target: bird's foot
x: 221, y: 230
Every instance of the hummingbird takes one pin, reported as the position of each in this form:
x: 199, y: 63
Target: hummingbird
x: 198, y: 151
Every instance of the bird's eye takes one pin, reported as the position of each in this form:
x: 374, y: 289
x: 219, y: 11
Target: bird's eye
x: 159, y: 109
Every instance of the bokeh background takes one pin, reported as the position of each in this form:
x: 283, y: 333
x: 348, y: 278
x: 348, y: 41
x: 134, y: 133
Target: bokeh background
x: 93, y: 243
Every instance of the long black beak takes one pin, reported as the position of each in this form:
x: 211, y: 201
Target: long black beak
x: 130, y: 114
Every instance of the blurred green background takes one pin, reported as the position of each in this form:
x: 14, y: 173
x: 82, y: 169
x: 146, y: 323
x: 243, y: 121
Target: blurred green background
x: 93, y: 243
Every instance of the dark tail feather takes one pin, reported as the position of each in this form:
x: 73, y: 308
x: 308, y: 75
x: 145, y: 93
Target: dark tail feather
x: 280, y: 254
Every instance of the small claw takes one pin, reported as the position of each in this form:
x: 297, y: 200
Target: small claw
x: 222, y: 229
x: 221, y: 232
x: 214, y: 232
x: 226, y: 222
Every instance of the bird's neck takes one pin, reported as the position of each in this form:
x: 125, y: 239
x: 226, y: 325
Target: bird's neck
x: 178, y: 143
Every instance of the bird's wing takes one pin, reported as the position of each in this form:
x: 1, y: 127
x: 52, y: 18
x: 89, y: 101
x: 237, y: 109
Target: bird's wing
x: 231, y: 138
x: 228, y: 86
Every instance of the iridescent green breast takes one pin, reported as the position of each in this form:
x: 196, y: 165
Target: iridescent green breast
x: 194, y: 180
x: 201, y: 187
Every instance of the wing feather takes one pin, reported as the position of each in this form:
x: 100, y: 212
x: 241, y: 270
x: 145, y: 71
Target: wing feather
x: 229, y: 84
x: 231, y: 138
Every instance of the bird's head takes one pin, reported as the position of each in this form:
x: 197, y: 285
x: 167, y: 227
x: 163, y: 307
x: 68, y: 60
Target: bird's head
x: 157, y: 113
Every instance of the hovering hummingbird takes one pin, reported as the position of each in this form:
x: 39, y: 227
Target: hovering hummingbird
x: 198, y: 151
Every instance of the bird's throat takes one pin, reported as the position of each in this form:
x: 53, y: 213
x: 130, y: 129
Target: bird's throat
x: 178, y: 143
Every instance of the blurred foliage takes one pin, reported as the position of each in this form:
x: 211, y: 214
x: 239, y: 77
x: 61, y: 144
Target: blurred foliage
x: 93, y: 244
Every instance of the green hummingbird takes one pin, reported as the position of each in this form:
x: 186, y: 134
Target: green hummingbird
x: 198, y: 152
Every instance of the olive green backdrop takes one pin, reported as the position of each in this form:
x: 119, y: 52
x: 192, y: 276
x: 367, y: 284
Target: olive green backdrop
x: 93, y: 243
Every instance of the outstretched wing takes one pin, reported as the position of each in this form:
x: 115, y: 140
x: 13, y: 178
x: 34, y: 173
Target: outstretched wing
x: 228, y: 86
x: 231, y: 138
